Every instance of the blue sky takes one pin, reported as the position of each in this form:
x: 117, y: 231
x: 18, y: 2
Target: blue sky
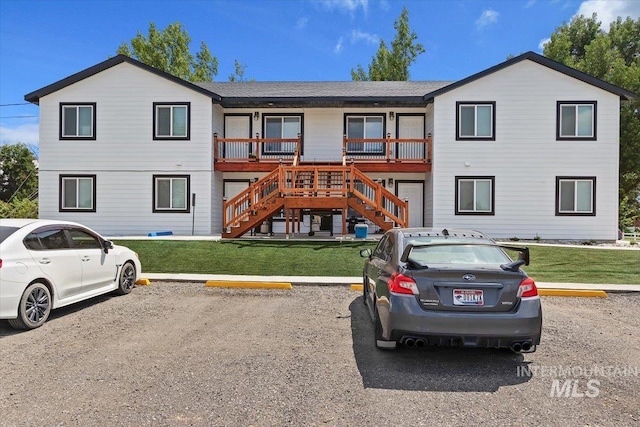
x: 42, y: 42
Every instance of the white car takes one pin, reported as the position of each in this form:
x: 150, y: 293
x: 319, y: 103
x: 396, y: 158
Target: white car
x: 49, y: 264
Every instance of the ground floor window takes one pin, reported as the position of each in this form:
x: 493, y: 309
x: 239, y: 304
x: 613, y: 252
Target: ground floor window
x: 77, y: 193
x: 171, y: 193
x: 575, y: 195
x: 475, y: 195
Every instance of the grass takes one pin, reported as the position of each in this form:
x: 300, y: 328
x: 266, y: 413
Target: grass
x: 309, y: 258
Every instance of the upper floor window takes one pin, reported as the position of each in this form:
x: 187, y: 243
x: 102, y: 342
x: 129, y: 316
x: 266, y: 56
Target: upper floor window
x: 475, y: 121
x: 575, y: 196
x: 77, y: 193
x: 576, y: 120
x: 475, y: 195
x: 281, y: 127
x: 171, y: 120
x: 171, y: 193
x: 365, y: 127
x: 77, y: 121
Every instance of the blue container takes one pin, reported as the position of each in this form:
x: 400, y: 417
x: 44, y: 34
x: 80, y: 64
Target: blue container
x: 361, y: 231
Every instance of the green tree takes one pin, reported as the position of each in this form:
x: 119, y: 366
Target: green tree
x: 18, y: 173
x: 613, y: 56
x: 393, y: 64
x: 168, y: 50
x: 238, y: 75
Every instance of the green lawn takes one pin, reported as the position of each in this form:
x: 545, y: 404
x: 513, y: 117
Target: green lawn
x: 309, y: 258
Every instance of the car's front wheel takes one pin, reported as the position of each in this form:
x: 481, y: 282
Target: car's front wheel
x: 34, y: 307
x: 126, y: 279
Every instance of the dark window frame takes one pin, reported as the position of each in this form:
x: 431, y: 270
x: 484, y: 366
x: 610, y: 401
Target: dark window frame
x: 594, y: 137
x: 94, y: 116
x: 593, y: 195
x: 154, y: 202
x: 460, y: 137
x: 264, y: 117
x: 61, y: 179
x: 365, y: 115
x: 492, y: 211
x: 156, y: 137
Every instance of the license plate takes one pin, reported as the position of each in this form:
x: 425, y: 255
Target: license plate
x: 468, y: 297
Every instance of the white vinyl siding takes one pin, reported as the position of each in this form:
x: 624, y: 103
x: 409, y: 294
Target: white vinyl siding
x: 126, y: 155
x: 526, y: 158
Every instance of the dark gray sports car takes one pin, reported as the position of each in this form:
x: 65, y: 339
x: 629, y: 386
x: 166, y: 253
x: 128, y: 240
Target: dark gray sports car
x: 450, y: 288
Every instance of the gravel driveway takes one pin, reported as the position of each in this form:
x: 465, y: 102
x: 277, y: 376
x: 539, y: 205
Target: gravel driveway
x: 180, y: 354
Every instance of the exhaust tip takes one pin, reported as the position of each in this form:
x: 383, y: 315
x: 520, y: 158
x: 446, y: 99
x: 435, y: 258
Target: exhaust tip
x: 420, y: 343
x: 409, y: 342
x: 516, y: 346
x: 526, y: 346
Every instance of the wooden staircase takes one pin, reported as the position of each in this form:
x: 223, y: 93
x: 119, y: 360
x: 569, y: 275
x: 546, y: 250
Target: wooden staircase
x: 295, y: 187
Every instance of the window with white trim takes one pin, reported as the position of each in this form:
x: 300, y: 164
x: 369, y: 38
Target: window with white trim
x: 77, y: 193
x: 171, y: 193
x: 575, y: 196
x: 171, y: 120
x: 475, y: 195
x: 365, y: 127
x: 576, y: 120
x: 77, y: 121
x: 475, y: 121
x: 281, y: 127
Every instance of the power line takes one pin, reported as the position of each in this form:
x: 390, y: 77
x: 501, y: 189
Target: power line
x: 11, y: 105
x: 18, y: 117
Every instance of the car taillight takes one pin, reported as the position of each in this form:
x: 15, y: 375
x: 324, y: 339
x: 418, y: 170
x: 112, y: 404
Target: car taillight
x: 401, y: 284
x: 0, y: 262
x: 527, y: 288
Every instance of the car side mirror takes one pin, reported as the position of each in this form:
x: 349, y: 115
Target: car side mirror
x: 365, y: 253
x: 107, y: 245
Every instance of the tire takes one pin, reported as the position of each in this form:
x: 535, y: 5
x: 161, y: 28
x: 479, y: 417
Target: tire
x: 126, y: 279
x: 380, y: 343
x: 34, y: 307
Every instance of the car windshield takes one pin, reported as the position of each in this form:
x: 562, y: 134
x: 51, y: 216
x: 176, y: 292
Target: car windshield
x: 6, y: 232
x: 458, y: 254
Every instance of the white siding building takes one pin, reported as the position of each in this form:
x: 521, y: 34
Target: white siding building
x: 526, y: 148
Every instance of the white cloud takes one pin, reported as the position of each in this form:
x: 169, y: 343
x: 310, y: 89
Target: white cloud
x: 338, y: 47
x: 301, y: 23
x: 27, y: 134
x: 345, y: 5
x: 609, y: 10
x: 542, y: 43
x: 487, y: 18
x: 357, y: 35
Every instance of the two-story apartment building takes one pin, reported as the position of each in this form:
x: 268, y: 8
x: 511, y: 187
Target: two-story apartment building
x: 526, y: 148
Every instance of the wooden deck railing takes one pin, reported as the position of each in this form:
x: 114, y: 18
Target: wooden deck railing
x: 387, y: 149
x: 287, y: 150
x: 255, y: 149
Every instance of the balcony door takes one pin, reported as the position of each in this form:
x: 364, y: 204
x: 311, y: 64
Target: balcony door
x: 237, y: 126
x: 410, y: 126
x: 413, y: 191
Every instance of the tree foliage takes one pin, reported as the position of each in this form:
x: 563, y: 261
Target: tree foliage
x: 168, y: 50
x: 613, y: 56
x: 18, y: 173
x: 19, y: 208
x: 393, y: 64
x: 238, y: 75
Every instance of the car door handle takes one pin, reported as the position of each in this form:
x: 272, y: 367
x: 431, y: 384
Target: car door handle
x: 85, y: 259
x: 45, y: 261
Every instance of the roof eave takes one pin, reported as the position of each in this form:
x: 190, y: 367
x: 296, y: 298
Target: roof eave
x: 338, y: 101
x: 34, y: 97
x: 544, y: 61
